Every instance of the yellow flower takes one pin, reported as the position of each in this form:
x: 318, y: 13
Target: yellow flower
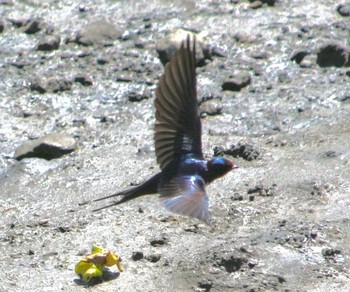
x: 91, y: 266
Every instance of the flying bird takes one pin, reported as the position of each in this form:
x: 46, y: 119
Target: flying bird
x: 178, y: 146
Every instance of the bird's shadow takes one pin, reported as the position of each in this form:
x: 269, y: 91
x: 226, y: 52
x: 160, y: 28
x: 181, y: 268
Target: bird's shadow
x: 107, y: 276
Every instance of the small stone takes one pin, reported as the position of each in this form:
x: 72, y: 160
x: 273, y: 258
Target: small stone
x: 83, y: 80
x: 53, y: 84
x: 330, y: 252
x: 344, y: 9
x: 18, y: 20
x: 135, y: 96
x: 333, y: 55
x: 38, y: 85
x: 211, y: 108
x: 299, y: 55
x: 48, y: 147
x: 137, y: 255
x: 205, y: 285
x: 49, y: 44
x: 237, y: 197
x: 102, y: 61
x: 331, y: 154
x: 245, y: 151
x: 345, y: 98
x: 99, y: 32
x: 256, y: 5
x: 268, y: 2
x: 236, y: 83
x: 33, y: 26
x: 58, y: 84
x: 2, y: 26
x: 158, y: 242
x: 153, y: 258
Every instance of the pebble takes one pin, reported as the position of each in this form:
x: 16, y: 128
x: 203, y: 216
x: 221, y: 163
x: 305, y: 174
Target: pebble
x: 99, y: 32
x: 50, y: 43
x: 33, y: 26
x: 333, y: 55
x: 236, y: 83
x: 83, y: 80
x: 344, y: 9
x: 48, y: 147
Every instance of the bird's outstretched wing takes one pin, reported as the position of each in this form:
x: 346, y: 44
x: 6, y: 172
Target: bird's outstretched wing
x: 178, y: 125
x: 186, y: 195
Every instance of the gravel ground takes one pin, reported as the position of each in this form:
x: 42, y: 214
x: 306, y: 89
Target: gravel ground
x: 76, y: 123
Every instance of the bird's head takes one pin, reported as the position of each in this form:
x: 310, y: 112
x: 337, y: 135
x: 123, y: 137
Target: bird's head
x: 219, y: 166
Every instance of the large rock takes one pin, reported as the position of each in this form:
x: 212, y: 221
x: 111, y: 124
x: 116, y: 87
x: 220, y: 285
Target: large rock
x: 48, y: 147
x: 167, y: 46
x: 99, y: 32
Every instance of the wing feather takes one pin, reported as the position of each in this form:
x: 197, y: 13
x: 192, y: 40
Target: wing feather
x: 186, y: 195
x: 178, y: 126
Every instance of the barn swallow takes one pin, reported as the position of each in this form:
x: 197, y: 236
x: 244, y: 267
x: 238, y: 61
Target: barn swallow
x: 178, y: 146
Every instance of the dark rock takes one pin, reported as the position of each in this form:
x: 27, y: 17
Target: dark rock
x: 262, y: 191
x: 333, y: 55
x: 231, y: 263
x: 245, y: 151
x: 331, y: 154
x: 345, y: 98
x: 299, y: 55
x: 268, y: 2
x: 58, y: 84
x: 2, y: 26
x: 102, y: 61
x: 33, y: 26
x: 49, y: 44
x: 20, y: 64
x: 137, y: 255
x: 153, y: 258
x: 159, y: 242
x: 48, y: 147
x: 236, y: 83
x: 6, y: 2
x: 83, y: 80
x: 38, y: 85
x: 344, y: 9
x: 205, y: 285
x: 135, y: 96
x: 211, y: 108
x: 259, y: 55
x: 63, y: 229
x: 139, y: 44
x: 99, y: 32
x: 237, y: 197
x: 330, y: 252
